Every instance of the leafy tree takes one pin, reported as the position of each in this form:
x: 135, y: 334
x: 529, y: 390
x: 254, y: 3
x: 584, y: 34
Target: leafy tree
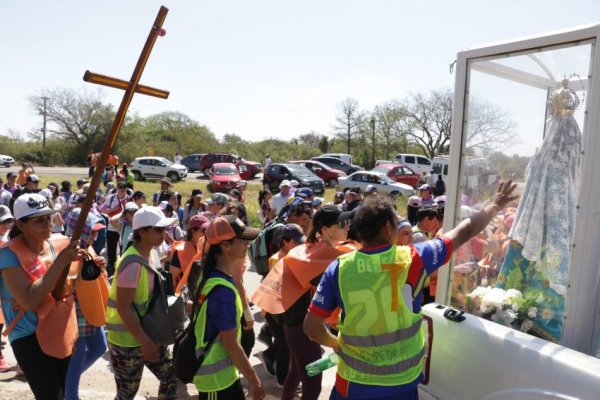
x: 78, y: 117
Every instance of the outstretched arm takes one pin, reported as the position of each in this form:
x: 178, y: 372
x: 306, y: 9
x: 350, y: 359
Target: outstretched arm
x: 471, y: 226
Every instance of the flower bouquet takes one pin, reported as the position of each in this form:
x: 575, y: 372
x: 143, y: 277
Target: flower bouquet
x: 507, y: 307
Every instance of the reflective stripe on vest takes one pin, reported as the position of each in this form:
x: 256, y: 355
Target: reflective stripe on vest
x: 117, y: 332
x: 217, y: 371
x: 381, y: 339
x: 384, y: 338
x: 215, y: 368
x: 140, y: 306
x: 371, y: 369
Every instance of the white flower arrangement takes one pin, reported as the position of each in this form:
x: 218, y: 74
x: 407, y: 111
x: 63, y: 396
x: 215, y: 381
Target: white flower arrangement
x: 506, y: 307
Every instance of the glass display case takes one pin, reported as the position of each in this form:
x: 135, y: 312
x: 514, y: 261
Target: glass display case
x: 527, y: 111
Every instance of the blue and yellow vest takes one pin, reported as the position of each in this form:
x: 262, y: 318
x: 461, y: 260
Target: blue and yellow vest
x: 381, y: 339
x: 217, y: 372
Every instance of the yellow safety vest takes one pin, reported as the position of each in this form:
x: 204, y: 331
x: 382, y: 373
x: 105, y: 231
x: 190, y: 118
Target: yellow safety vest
x: 381, y: 340
x: 217, y: 372
x: 117, y: 332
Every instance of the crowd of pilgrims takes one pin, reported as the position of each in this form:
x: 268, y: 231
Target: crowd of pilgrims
x: 182, y: 237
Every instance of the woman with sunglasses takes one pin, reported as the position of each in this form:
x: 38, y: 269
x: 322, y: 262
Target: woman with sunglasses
x: 307, y: 263
x: 31, y: 264
x: 129, y: 346
x: 221, y: 314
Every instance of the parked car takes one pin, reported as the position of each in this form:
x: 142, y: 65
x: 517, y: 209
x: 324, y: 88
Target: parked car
x: 380, y: 181
x: 336, y: 163
x: 223, y: 177
x: 157, y: 167
x: 399, y: 173
x: 6, y: 161
x: 275, y: 173
x: 248, y: 169
x: 329, y: 175
x: 192, y: 162
x: 347, y: 158
x: 416, y: 162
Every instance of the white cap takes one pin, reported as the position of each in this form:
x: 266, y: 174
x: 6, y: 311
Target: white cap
x: 150, y: 216
x: 31, y: 205
x: 130, y: 206
x: 294, y: 183
x: 46, y: 193
x: 285, y: 182
x: 5, y: 213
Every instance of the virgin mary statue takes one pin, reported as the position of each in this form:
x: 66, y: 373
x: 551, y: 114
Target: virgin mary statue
x: 537, y: 260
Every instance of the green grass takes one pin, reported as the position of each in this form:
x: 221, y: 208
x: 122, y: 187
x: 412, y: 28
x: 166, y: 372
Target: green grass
x: 185, y: 188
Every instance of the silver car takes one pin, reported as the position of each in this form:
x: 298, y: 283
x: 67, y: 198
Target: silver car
x: 381, y: 182
x: 157, y: 167
x: 6, y: 161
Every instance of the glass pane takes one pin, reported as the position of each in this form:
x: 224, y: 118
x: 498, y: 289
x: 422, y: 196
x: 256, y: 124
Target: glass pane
x: 524, y: 117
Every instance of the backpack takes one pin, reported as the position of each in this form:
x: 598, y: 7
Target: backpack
x: 165, y: 315
x: 185, y: 359
x: 261, y: 248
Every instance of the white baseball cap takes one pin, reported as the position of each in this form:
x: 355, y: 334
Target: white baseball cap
x: 131, y: 206
x: 285, y: 182
x: 294, y: 183
x: 5, y: 213
x: 46, y: 193
x: 31, y: 205
x: 150, y: 216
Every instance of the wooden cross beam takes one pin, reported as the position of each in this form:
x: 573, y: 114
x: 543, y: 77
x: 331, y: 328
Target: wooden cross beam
x: 132, y: 86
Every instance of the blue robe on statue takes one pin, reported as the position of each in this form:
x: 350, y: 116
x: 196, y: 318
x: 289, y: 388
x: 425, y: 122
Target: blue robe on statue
x: 537, y: 260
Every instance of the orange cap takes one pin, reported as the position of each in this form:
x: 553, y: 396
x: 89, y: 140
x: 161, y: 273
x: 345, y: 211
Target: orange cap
x: 229, y: 227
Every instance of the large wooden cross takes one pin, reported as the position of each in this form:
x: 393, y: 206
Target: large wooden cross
x: 132, y: 86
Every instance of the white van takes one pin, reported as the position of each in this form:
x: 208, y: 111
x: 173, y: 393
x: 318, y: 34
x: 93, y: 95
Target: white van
x: 479, y: 171
x: 416, y: 162
x: 347, y: 158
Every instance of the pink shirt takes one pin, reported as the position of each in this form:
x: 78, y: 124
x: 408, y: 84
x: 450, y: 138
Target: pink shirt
x: 128, y: 277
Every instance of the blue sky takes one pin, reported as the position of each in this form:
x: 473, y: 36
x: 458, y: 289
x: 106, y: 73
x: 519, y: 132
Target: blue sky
x: 257, y: 68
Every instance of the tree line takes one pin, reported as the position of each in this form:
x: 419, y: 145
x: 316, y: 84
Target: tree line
x: 80, y: 121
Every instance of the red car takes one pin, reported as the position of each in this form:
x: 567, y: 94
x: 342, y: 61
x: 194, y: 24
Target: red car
x: 399, y: 173
x: 248, y: 169
x: 329, y: 175
x: 223, y: 177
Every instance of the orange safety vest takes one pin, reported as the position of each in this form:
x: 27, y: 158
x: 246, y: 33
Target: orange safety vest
x: 57, y: 330
x: 186, y: 253
x: 22, y: 177
x: 186, y: 274
x: 290, y: 278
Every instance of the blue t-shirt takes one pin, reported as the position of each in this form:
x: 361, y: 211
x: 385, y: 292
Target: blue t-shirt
x: 427, y: 257
x: 28, y: 323
x: 221, y: 313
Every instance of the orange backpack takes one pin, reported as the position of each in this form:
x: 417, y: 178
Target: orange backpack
x: 56, y: 330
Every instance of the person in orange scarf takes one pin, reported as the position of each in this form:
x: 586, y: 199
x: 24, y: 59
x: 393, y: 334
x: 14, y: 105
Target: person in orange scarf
x: 185, y: 253
x: 306, y: 264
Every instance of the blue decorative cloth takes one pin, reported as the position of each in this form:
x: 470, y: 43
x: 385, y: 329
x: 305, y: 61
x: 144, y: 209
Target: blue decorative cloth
x: 542, y: 231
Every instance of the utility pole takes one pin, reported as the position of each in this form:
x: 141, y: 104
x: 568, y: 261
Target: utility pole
x: 373, y: 130
x: 44, y: 127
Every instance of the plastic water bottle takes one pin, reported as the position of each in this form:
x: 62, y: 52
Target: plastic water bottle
x: 316, y: 367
